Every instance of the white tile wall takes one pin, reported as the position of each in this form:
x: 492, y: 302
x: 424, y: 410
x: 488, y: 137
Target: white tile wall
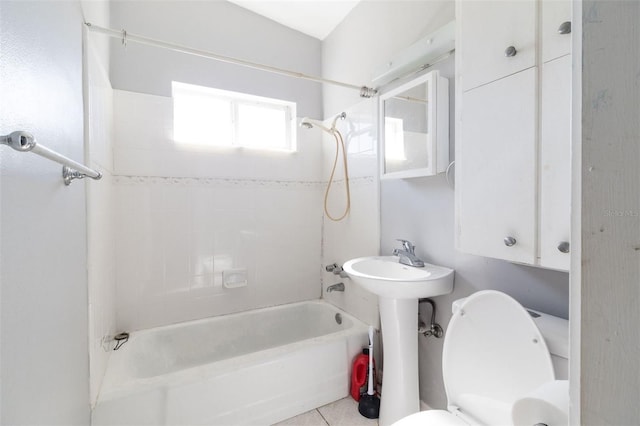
x: 100, y: 223
x: 176, y: 236
x: 185, y: 216
x: 144, y: 146
x: 101, y: 277
x: 358, y: 234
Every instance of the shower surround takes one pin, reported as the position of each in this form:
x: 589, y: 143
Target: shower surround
x: 177, y: 236
x: 180, y: 215
x: 185, y: 214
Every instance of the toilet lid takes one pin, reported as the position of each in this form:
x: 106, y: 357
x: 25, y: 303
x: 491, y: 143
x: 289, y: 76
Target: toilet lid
x: 493, y: 354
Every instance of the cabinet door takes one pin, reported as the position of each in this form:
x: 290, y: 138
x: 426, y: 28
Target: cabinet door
x: 556, y: 21
x: 496, y: 169
x: 486, y: 29
x: 555, y: 161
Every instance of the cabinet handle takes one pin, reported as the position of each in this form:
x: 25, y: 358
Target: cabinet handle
x: 509, y: 241
x: 563, y: 247
x: 510, y: 52
x: 565, y: 28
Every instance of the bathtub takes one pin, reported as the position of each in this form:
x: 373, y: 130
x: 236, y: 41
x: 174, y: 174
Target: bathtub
x: 257, y: 367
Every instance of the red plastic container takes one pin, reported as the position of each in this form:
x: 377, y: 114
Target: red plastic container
x: 359, y: 374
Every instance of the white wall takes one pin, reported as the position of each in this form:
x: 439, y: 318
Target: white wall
x: 607, y: 289
x: 100, y: 220
x: 422, y: 210
x: 98, y: 12
x: 370, y: 35
x: 220, y: 27
x: 44, y: 357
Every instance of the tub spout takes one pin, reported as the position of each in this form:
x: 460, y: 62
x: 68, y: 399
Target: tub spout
x: 335, y: 287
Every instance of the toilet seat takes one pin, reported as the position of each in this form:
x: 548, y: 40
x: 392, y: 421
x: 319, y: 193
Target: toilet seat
x: 493, y: 355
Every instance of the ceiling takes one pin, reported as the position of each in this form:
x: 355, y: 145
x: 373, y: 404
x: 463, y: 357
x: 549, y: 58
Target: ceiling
x: 316, y: 18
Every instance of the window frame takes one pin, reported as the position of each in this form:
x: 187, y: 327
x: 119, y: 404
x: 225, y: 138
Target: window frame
x: 235, y: 100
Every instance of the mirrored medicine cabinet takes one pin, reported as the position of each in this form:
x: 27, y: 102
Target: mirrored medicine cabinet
x: 414, y: 128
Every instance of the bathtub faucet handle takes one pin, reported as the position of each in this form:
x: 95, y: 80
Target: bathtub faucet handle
x: 337, y: 270
x: 332, y: 267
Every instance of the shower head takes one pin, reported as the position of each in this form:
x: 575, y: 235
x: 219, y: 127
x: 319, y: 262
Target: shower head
x: 309, y: 123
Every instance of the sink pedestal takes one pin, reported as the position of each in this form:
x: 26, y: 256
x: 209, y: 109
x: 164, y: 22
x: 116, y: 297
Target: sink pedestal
x: 398, y: 288
x: 400, y: 391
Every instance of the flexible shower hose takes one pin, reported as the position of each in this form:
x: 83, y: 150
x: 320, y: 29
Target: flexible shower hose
x: 339, y: 144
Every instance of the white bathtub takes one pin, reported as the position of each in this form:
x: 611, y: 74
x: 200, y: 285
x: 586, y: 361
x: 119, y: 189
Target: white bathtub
x: 256, y: 367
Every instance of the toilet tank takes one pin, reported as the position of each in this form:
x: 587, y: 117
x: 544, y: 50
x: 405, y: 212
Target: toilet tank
x: 556, y: 335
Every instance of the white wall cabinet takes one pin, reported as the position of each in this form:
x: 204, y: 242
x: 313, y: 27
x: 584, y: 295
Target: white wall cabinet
x: 499, y: 142
x: 555, y: 29
x: 486, y: 29
x: 513, y: 187
x: 555, y: 173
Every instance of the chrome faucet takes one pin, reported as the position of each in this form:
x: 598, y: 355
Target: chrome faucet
x: 407, y: 255
x: 335, y: 287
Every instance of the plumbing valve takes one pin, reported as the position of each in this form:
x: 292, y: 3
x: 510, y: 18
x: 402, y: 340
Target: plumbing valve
x: 332, y: 267
x: 434, y: 329
x: 336, y: 269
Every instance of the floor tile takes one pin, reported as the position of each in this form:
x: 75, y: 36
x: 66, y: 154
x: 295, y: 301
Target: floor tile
x: 310, y: 418
x: 344, y: 412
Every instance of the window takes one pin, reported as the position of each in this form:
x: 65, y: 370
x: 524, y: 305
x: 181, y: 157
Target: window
x: 218, y: 118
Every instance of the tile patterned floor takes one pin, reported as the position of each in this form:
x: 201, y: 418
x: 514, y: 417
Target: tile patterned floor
x: 343, y: 412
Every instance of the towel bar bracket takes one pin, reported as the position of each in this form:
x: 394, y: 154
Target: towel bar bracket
x: 68, y: 174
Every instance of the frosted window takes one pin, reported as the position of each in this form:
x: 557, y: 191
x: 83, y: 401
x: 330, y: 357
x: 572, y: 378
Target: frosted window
x: 262, y: 125
x: 204, y: 116
x: 202, y: 120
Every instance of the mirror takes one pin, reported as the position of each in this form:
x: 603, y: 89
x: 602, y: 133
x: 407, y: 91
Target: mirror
x: 414, y: 121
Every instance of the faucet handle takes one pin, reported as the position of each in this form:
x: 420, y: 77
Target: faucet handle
x: 406, y: 244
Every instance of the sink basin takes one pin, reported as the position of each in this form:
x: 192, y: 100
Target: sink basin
x: 386, y: 277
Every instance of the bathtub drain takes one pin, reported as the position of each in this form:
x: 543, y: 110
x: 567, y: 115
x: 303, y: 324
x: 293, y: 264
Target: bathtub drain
x: 339, y: 318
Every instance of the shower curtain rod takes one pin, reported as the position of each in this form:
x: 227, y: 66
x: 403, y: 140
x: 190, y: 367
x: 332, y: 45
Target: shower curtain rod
x: 365, y: 92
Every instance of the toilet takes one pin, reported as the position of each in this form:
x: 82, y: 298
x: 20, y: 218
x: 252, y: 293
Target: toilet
x: 502, y: 365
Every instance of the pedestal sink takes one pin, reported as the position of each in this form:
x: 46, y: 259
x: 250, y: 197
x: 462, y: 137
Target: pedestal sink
x: 398, y: 288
